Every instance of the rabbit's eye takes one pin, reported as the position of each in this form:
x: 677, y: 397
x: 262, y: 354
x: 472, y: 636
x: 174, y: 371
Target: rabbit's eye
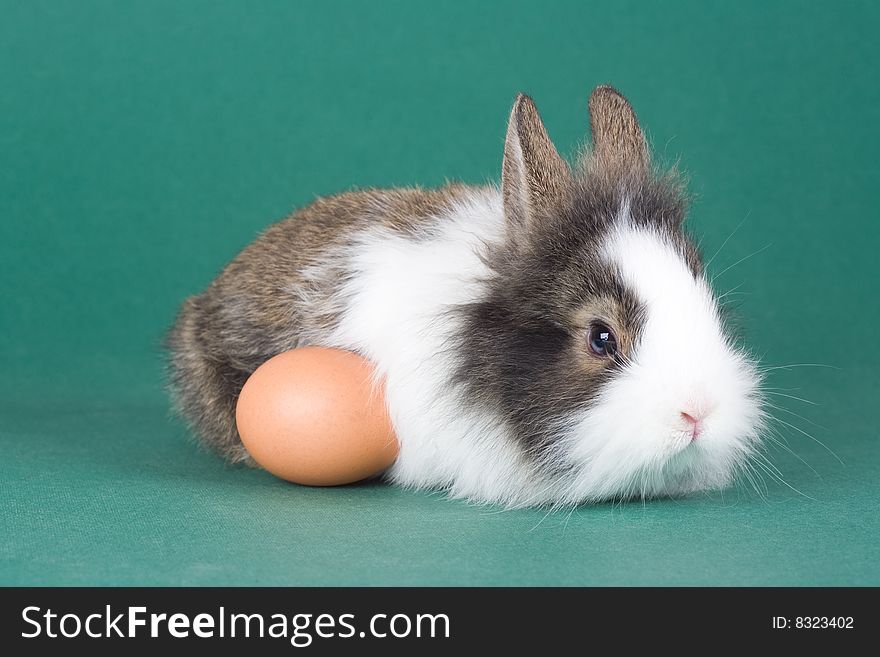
x: 602, y: 340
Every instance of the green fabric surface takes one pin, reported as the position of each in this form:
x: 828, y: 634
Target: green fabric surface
x: 143, y: 144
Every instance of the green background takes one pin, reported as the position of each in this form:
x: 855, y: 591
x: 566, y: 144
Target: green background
x: 143, y: 144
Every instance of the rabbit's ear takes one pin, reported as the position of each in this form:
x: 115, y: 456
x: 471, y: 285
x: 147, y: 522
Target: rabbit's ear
x: 618, y: 141
x: 534, y: 176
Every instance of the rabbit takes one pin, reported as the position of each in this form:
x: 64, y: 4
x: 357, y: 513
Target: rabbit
x: 551, y: 342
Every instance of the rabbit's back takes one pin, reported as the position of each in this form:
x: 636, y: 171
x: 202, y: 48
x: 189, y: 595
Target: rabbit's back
x: 280, y: 292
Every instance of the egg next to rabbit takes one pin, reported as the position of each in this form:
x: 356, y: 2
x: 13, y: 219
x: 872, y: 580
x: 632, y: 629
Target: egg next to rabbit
x: 317, y: 417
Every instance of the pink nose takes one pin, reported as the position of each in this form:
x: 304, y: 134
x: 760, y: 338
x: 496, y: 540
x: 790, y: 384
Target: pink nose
x: 693, y: 421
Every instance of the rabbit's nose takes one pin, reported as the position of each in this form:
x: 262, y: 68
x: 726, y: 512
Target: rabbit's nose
x: 694, y: 422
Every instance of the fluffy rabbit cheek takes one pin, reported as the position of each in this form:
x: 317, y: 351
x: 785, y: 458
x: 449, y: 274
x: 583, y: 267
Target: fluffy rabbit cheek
x: 684, y: 412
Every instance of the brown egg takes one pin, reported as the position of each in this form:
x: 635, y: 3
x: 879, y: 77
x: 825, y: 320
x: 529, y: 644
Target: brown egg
x: 314, y: 416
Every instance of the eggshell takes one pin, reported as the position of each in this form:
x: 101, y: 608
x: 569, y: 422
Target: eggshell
x: 315, y: 416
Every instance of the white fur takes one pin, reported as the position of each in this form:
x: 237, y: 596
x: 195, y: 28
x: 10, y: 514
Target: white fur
x: 634, y: 441
x: 397, y: 300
